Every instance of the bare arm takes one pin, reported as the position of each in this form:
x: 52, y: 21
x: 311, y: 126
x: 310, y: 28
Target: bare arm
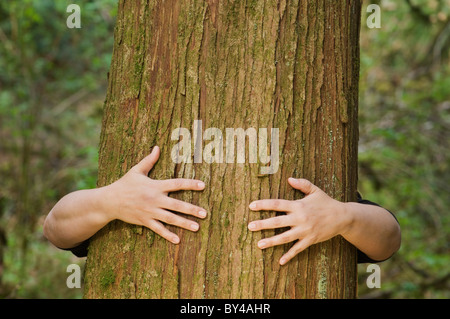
x: 76, y: 217
x: 373, y: 230
x: 135, y: 199
x: 318, y: 217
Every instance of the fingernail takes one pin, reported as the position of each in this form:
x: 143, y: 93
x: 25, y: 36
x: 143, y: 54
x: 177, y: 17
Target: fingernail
x: 201, y: 184
x: 252, y: 226
x: 194, y: 226
x: 175, y: 239
x: 282, y: 260
x: 262, y: 244
x: 291, y: 179
x: 252, y: 205
x: 202, y: 213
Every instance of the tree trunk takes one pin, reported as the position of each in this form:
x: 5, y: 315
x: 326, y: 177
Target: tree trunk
x: 290, y: 65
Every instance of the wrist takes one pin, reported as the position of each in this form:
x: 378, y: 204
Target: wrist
x: 104, y: 203
x: 347, y: 217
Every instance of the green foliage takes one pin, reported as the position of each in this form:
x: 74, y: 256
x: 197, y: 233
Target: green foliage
x: 404, y: 128
x: 44, y: 274
x: 53, y: 83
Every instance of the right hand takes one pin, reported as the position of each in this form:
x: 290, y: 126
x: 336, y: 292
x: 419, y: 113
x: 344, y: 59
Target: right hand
x: 137, y: 199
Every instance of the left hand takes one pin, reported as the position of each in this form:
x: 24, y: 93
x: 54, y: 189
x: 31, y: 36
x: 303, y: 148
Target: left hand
x: 315, y: 218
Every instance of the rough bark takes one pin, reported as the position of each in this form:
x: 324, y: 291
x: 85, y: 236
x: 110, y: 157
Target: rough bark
x: 291, y: 65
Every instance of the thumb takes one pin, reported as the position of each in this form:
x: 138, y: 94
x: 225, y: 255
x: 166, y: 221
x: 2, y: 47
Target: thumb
x: 147, y: 163
x: 303, y: 185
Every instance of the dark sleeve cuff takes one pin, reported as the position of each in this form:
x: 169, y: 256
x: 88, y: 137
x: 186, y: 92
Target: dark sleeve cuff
x: 81, y: 250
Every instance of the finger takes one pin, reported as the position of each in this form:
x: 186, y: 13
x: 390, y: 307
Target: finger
x: 280, y: 205
x: 175, y: 220
x: 159, y: 228
x: 303, y: 185
x: 295, y: 249
x: 280, y: 239
x: 176, y: 184
x: 183, y: 207
x: 270, y: 223
x: 147, y: 163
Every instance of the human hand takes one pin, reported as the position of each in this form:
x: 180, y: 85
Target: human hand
x: 137, y: 199
x: 315, y: 218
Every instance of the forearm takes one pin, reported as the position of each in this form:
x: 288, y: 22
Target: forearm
x: 372, y: 229
x: 76, y: 217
